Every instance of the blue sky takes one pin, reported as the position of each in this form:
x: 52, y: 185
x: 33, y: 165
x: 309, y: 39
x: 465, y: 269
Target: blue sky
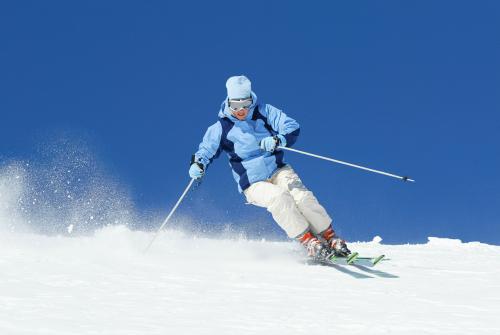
x: 408, y: 87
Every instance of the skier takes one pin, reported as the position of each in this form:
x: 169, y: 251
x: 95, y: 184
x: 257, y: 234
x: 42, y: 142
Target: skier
x: 250, y: 133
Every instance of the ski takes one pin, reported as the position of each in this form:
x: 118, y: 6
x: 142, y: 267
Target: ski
x: 354, y: 259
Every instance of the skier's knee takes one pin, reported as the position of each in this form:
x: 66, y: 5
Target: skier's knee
x: 305, y: 196
x: 282, y: 196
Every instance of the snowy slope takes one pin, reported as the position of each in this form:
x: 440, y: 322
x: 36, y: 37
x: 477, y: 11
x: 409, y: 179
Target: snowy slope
x: 105, y: 284
x: 80, y: 278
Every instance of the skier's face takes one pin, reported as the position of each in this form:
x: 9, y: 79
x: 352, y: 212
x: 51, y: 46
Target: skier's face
x: 241, y: 114
x: 239, y: 107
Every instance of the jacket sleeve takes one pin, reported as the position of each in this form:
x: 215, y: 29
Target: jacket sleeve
x: 284, y: 125
x: 210, y: 147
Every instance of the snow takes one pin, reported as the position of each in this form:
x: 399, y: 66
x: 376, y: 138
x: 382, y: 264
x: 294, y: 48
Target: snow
x: 104, y: 283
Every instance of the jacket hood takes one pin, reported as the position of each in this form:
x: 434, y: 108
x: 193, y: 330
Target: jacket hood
x: 226, y: 112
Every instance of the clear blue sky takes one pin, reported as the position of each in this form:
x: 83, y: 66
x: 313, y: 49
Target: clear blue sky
x: 412, y: 87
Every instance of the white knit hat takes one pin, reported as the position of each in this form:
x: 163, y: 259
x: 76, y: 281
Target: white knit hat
x: 238, y: 87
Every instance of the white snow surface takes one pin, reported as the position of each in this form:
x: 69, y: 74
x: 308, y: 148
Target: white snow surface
x: 106, y: 284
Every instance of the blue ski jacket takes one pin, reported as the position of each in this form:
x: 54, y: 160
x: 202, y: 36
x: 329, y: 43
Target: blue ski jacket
x: 240, y: 140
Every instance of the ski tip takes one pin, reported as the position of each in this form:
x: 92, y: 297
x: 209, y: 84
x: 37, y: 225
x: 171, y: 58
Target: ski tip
x: 352, y: 257
x: 377, y: 259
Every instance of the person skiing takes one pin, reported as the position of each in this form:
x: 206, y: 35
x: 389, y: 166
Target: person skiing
x: 250, y: 133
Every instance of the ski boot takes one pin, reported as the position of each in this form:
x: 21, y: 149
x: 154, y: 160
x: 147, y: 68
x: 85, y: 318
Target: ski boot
x: 335, y: 243
x: 315, y: 249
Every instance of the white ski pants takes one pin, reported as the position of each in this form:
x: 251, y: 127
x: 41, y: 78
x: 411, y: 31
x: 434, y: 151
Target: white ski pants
x: 291, y: 204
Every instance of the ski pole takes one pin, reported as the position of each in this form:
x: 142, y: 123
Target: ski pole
x: 170, y: 214
x: 348, y: 164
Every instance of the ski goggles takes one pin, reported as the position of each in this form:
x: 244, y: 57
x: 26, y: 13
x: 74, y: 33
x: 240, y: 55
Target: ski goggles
x: 239, y: 104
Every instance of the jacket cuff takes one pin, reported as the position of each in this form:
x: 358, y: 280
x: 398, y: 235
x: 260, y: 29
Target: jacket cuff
x: 198, y: 161
x: 291, y: 138
x: 282, y: 140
